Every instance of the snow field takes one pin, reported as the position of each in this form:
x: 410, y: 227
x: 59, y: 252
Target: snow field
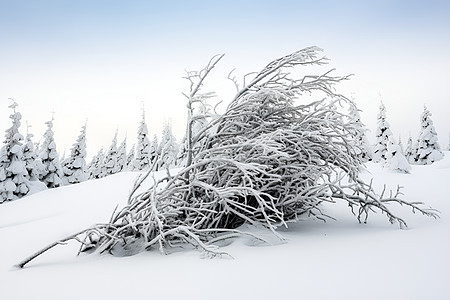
x: 339, y: 259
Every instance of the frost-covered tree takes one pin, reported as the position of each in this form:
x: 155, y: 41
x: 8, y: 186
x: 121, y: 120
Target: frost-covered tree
x: 271, y: 158
x: 360, y: 142
x: 428, y: 149
x: 142, y: 156
x: 130, y: 158
x: 382, y: 135
x: 410, y: 150
x: 395, y: 160
x: 14, y: 178
x: 74, y: 167
x: 109, y: 165
x: 168, y: 148
x: 154, y: 152
x: 181, y: 156
x: 63, y: 157
x: 52, y: 172
x: 400, y: 144
x: 121, y: 157
x: 95, y: 166
x: 33, y: 163
x: 448, y: 147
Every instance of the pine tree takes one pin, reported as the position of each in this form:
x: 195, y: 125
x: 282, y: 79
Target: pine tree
x: 109, y: 165
x: 395, y: 160
x: 95, y: 166
x: 142, y: 156
x: 168, y: 148
x: 410, y: 151
x: 428, y: 150
x: 361, y: 143
x: 74, y: 167
x: 52, y: 172
x: 14, y: 182
x: 33, y: 163
x: 182, y: 150
x: 448, y: 147
x: 122, y: 157
x: 130, y: 159
x: 400, y: 144
x: 382, y: 134
x: 154, y: 151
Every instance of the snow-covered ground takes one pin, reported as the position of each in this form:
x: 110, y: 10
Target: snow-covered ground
x: 334, y: 260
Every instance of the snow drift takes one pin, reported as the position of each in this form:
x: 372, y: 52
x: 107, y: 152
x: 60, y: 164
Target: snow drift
x: 338, y: 259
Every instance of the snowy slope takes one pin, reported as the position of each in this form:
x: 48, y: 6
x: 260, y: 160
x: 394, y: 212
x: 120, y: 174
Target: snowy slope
x: 335, y: 260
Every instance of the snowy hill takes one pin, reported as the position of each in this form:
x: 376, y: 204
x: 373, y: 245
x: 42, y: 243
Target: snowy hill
x: 339, y: 259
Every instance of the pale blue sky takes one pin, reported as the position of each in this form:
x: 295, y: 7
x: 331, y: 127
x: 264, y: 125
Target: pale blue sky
x: 100, y: 59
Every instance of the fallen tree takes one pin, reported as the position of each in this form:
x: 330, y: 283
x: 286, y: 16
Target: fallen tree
x: 266, y: 161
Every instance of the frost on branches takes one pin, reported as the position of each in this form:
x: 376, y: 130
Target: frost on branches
x: 14, y: 179
x: 428, y: 150
x: 272, y: 158
x: 74, y: 167
x: 382, y: 136
x: 52, y: 172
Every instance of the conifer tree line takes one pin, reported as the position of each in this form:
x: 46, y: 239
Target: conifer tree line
x: 425, y: 150
x: 27, y: 167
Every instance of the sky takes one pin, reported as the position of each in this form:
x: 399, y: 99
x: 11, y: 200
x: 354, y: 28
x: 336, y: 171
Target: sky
x: 102, y: 61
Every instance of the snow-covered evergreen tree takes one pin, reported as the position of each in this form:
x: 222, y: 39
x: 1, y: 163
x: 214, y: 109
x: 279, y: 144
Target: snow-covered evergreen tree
x: 142, y: 156
x: 109, y: 165
x: 428, y: 150
x: 95, y: 166
x: 382, y: 134
x: 37, y: 146
x: 130, y: 159
x: 410, y: 150
x: 33, y: 163
x: 395, y: 160
x: 181, y: 156
x: 361, y: 143
x: 448, y: 147
x: 14, y: 182
x: 400, y: 144
x: 122, y: 156
x: 168, y: 148
x: 63, y: 157
x: 74, y: 167
x: 154, y: 151
x: 52, y: 172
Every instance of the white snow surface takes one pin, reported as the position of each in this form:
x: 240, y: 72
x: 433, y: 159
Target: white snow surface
x: 339, y: 259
